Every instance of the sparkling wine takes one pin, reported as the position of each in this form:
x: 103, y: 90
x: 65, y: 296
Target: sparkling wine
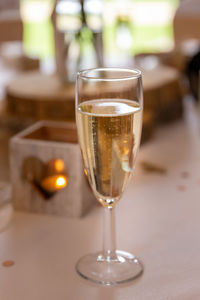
x: 109, y: 135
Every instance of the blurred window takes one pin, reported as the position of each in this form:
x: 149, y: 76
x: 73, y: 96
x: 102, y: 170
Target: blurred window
x: 130, y: 26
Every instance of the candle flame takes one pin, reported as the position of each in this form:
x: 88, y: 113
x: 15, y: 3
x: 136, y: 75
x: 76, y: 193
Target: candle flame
x: 61, y: 182
x: 54, y: 183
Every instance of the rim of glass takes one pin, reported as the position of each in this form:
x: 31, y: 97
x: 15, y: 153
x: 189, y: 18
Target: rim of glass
x: 134, y: 73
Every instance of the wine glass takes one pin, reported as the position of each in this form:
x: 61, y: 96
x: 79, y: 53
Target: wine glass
x: 109, y: 105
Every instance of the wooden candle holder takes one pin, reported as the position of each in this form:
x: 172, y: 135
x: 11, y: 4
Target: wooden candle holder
x: 46, y: 171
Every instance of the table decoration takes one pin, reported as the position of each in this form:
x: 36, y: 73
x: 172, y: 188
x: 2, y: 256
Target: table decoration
x: 46, y: 171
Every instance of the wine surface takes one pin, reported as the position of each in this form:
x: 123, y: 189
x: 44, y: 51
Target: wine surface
x: 109, y: 135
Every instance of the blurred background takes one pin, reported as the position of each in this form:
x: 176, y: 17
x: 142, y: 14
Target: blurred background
x: 43, y: 43
x: 128, y: 27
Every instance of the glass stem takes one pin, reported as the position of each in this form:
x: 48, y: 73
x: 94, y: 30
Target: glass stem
x: 109, y: 233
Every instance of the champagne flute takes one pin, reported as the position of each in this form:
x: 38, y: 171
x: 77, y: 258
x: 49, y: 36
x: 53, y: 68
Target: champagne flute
x: 109, y: 105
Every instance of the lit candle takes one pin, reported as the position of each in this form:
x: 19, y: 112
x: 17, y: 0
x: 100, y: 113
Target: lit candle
x: 54, y: 183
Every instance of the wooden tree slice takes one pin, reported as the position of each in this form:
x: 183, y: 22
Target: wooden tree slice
x: 40, y: 96
x: 163, y: 93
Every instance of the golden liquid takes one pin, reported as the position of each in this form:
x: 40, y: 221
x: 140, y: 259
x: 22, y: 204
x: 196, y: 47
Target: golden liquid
x: 109, y: 135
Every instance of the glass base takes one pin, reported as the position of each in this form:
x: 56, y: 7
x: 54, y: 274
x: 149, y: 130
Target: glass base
x: 109, y: 270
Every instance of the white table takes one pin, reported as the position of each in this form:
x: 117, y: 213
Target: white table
x: 158, y: 219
